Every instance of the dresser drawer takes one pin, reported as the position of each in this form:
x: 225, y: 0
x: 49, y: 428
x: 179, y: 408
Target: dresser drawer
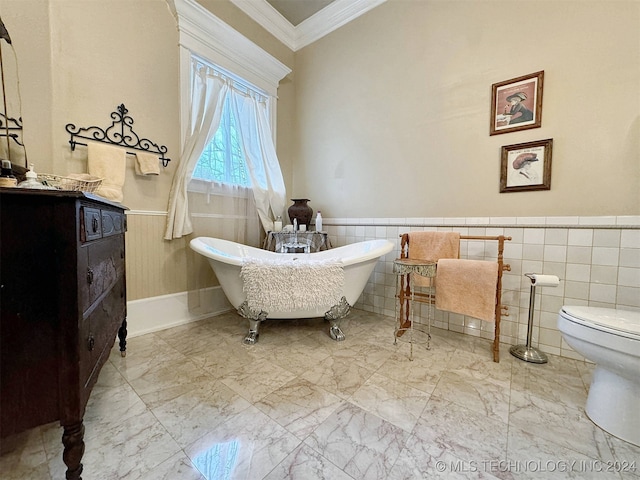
x: 91, y: 228
x: 101, y: 264
x: 98, y: 332
x: 113, y: 223
x: 99, y: 223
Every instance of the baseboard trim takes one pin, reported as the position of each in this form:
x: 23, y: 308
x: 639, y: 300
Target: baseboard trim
x: 153, y: 314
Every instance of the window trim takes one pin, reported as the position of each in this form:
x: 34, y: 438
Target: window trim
x: 210, y: 39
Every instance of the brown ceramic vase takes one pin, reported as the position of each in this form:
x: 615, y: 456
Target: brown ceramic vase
x: 300, y: 211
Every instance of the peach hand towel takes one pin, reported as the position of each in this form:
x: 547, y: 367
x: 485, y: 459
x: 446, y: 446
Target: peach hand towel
x: 467, y: 287
x: 147, y: 164
x: 107, y: 162
x: 432, y: 246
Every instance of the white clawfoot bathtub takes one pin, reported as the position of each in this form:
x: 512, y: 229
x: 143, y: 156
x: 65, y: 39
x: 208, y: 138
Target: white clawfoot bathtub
x: 226, y: 259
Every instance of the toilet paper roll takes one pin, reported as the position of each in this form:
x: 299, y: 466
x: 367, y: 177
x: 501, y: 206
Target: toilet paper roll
x: 543, y: 280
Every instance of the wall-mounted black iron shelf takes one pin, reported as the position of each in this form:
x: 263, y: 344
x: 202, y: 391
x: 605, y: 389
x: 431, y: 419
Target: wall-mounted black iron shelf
x: 9, y: 126
x: 119, y: 133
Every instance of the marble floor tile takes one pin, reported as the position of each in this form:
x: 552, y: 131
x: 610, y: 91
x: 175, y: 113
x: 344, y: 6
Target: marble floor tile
x: 486, y: 396
x: 24, y: 455
x: 340, y: 377
x: 305, y: 463
x: 480, y: 366
x: 391, y: 400
x: 257, y: 380
x: 246, y: 446
x: 423, y: 372
x: 198, y: 411
x: 460, y: 431
x: 224, y: 359
x: 296, y: 357
x: 418, y: 462
x: 177, y: 467
x: 299, y: 406
x: 568, y: 393
x: 534, y: 457
x: 126, y: 450
x: 626, y: 457
x: 360, y: 443
x: 150, y: 378
x: 556, y: 422
x: 194, y: 403
x: 362, y: 353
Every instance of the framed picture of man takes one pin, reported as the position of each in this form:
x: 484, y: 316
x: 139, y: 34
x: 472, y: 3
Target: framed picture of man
x: 516, y: 104
x: 526, y: 166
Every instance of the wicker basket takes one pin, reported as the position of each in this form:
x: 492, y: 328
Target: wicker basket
x: 83, y: 183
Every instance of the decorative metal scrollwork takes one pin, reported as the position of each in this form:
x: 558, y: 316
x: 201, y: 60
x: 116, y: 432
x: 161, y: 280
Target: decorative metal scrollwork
x: 338, y: 311
x: 119, y: 133
x: 9, y: 125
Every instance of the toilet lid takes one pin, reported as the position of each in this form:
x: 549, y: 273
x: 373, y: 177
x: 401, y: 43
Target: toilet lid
x: 621, y: 320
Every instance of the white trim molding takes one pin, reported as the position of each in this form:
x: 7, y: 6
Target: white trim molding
x: 330, y: 18
x: 153, y: 314
x: 205, y: 35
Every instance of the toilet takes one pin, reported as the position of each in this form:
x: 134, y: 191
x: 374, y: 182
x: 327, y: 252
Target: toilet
x: 611, y: 339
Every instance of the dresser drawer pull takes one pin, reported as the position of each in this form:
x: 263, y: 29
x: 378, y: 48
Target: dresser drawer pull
x: 89, y: 276
x: 94, y: 224
x: 91, y: 343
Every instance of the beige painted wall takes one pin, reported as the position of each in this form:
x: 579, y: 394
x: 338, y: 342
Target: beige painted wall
x: 354, y: 152
x: 393, y: 109
x: 78, y: 60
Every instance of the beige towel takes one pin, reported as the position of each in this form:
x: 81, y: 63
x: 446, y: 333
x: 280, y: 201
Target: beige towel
x: 432, y: 246
x: 467, y: 287
x: 107, y: 162
x: 147, y: 164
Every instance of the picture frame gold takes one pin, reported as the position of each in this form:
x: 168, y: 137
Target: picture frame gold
x: 526, y: 166
x: 516, y: 104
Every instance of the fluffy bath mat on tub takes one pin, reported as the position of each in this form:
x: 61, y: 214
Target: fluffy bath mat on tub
x: 286, y: 285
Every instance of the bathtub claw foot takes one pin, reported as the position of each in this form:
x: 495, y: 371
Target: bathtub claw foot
x: 255, y: 318
x: 336, y: 333
x: 336, y: 313
x: 251, y: 338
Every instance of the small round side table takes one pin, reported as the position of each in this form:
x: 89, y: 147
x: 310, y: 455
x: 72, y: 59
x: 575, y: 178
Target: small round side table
x: 404, y: 267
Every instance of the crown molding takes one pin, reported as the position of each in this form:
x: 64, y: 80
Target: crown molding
x: 206, y: 35
x: 330, y: 18
x: 269, y: 18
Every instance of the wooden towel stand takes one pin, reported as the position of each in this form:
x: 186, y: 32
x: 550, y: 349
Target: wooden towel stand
x: 404, y: 295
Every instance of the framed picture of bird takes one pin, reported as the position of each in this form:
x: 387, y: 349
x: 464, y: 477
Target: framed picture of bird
x: 516, y: 104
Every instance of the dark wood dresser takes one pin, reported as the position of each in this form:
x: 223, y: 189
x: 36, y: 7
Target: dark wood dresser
x: 62, y: 303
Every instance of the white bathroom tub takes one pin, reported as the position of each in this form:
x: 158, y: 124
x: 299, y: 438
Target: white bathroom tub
x: 226, y: 259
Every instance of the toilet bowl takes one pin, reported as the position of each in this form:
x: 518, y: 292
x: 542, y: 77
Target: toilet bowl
x: 611, y: 339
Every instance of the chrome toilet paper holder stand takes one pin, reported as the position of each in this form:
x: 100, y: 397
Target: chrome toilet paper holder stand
x: 527, y: 352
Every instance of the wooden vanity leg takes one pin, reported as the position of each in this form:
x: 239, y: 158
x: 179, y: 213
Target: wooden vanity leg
x: 73, y: 441
x: 122, y: 335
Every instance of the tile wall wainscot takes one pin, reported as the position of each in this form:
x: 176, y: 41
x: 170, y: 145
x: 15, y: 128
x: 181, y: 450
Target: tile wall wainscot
x: 596, y: 258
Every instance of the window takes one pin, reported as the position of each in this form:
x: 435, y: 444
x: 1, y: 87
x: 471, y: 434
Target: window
x: 204, y: 37
x: 223, y: 159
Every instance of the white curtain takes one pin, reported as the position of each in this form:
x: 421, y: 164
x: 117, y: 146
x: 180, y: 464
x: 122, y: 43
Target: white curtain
x: 208, y: 93
x: 222, y: 210
x: 260, y: 153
